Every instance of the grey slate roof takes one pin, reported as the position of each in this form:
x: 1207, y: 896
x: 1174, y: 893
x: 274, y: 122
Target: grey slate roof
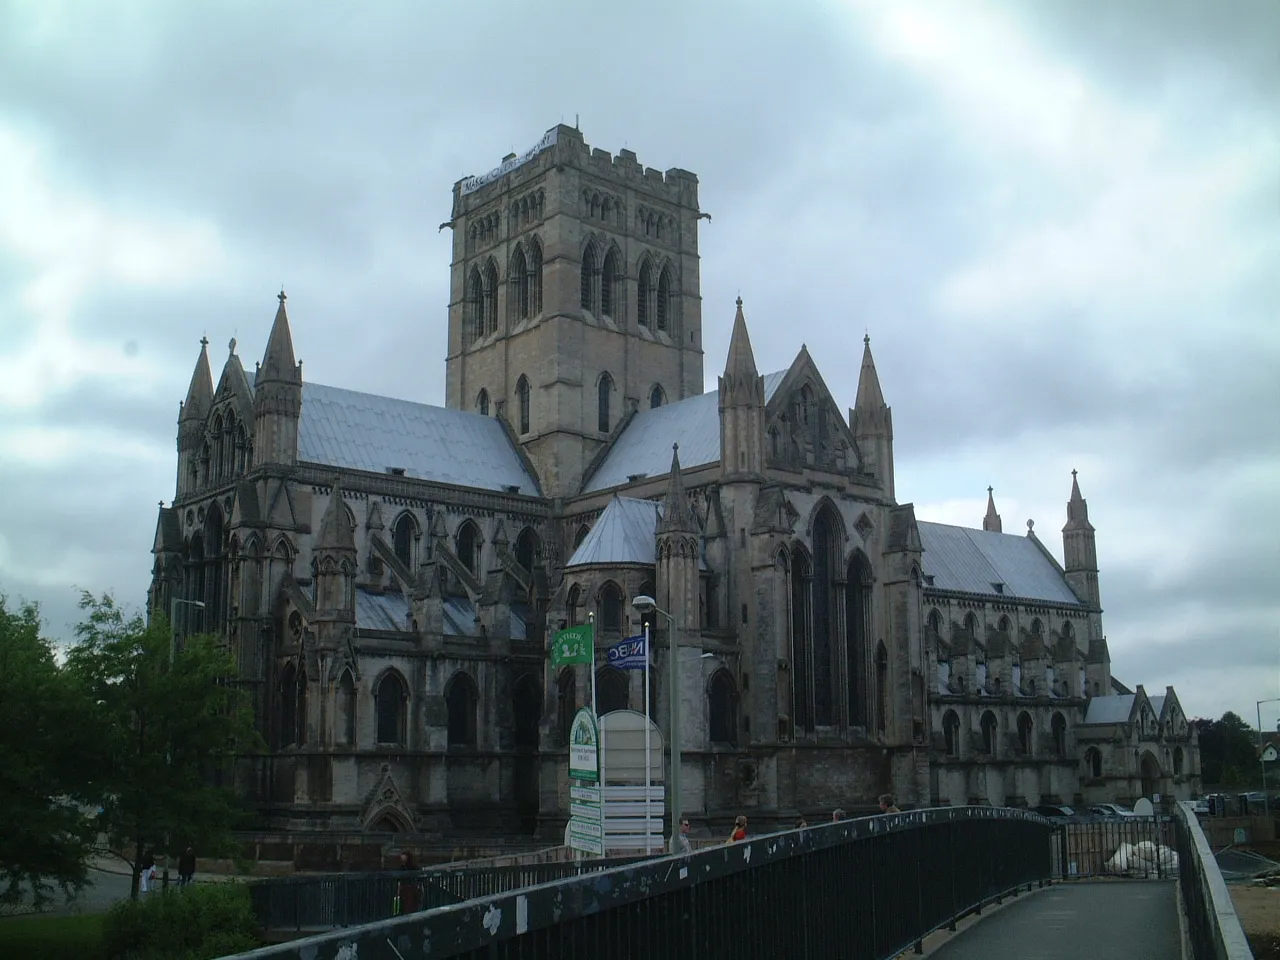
x: 1157, y: 704
x: 1109, y: 709
x: 626, y: 533
x: 972, y: 561
x: 390, y: 612
x: 360, y: 431
x: 645, y: 445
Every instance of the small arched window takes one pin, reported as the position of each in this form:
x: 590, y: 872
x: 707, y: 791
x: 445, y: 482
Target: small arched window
x: 482, y: 403
x: 389, y: 706
x: 1093, y: 762
x: 663, y: 305
x: 1025, y: 731
x: 722, y: 706
x: 460, y: 703
x: 403, y: 535
x: 610, y: 605
x: 580, y: 536
x: 773, y: 443
x: 1068, y: 631
x: 468, y: 545
x: 1036, y: 627
x: 604, y: 396
x: 523, y: 400
x: 971, y: 625
x: 989, y: 727
x: 1003, y: 625
x: 535, y: 277
x: 935, y: 622
x: 610, y: 280
x: 573, y: 605
x: 644, y: 296
x: 951, y: 732
x: 656, y: 397
x: 588, y: 277
x: 1059, y: 727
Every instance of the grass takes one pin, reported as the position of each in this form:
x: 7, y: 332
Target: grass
x: 51, y: 938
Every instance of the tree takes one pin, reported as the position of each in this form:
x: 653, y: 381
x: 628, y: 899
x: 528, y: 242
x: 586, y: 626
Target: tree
x: 171, y: 724
x: 1227, y: 756
x: 45, y: 837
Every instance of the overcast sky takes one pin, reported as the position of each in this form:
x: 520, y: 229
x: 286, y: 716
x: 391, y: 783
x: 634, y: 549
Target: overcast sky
x: 1059, y: 222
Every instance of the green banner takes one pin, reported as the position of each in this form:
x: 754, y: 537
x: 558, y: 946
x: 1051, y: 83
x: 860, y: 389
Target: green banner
x: 584, y: 747
x: 574, y: 645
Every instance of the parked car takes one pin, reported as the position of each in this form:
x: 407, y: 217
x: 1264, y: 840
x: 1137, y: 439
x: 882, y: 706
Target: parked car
x: 1055, y: 811
x: 1111, y: 810
x: 1200, y: 808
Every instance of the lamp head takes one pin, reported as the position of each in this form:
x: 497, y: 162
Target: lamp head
x: 643, y: 603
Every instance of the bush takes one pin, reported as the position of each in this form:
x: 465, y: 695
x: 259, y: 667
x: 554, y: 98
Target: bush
x: 198, y: 922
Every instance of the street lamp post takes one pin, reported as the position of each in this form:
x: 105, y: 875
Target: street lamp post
x: 173, y: 623
x: 644, y: 605
x: 1266, y: 801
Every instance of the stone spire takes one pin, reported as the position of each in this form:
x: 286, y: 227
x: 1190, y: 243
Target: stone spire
x: 278, y: 363
x: 1079, y: 548
x: 871, y: 420
x: 991, y: 521
x: 676, y: 515
x: 200, y: 393
x: 741, y: 381
x: 741, y: 391
x: 335, y: 532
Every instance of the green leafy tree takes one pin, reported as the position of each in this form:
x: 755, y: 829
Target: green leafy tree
x: 46, y: 739
x: 171, y: 724
x: 1227, y: 755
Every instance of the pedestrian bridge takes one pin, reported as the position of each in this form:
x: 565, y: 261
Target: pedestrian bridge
x: 956, y: 883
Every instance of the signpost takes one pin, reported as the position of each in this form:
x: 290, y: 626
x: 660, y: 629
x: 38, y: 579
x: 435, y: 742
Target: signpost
x: 576, y: 645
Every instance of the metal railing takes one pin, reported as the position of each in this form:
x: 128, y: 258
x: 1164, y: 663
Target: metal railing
x: 1134, y: 847
x: 853, y: 890
x: 325, y: 901
x: 1213, y: 928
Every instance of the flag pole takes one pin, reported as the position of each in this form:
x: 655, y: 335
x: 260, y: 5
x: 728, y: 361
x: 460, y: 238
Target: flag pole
x: 604, y: 800
x: 648, y: 723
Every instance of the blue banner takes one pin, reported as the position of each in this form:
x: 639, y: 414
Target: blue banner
x: 629, y: 654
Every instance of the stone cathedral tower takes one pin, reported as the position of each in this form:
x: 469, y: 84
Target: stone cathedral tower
x: 574, y: 298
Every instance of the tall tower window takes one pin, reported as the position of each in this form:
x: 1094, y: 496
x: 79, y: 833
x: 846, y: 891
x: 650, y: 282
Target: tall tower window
x: 474, y: 328
x: 643, y: 297
x: 588, y: 277
x: 482, y: 403
x: 610, y: 281
x: 534, y: 266
x: 523, y: 399
x: 604, y: 396
x: 518, y: 285
x: 664, y: 300
x: 490, y: 298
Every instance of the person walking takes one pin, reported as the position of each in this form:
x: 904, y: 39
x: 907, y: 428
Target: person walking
x: 147, y: 879
x: 887, y: 805
x: 739, y: 829
x: 407, y: 900
x: 186, y: 866
x: 802, y: 823
x: 681, y: 846
x: 837, y: 815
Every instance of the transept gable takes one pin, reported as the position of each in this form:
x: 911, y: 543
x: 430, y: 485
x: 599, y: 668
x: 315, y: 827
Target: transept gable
x: 801, y: 411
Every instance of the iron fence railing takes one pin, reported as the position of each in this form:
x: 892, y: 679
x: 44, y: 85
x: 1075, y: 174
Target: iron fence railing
x: 861, y: 889
x: 1213, y: 928
x: 1134, y: 847
x: 324, y: 901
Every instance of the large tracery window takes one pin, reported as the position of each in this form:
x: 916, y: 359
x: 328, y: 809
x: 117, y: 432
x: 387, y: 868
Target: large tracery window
x: 857, y: 597
x: 801, y: 640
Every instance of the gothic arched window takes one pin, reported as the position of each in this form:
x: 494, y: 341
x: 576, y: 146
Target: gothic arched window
x: 535, y: 277
x: 1025, y: 732
x: 523, y: 400
x: 1059, y: 727
x: 460, y: 703
x: 288, y: 694
x: 604, y: 396
x: 474, y: 323
x: 389, y: 705
x: 858, y: 633
x: 951, y: 732
x: 609, y: 618
x: 613, y: 691
x: 656, y: 397
x: 403, y: 535
x: 989, y: 726
x: 468, y: 546
x: 344, y: 727
x: 722, y: 708
x: 827, y: 550
x: 663, y: 311
x: 518, y: 285
x: 801, y: 640
x: 490, y: 298
x: 566, y: 703
x: 573, y: 605
x: 882, y: 689
x: 527, y: 549
x: 1093, y: 762
x: 610, y: 284
x: 643, y: 296
x: 526, y: 711
x: 588, y: 277
x: 482, y: 403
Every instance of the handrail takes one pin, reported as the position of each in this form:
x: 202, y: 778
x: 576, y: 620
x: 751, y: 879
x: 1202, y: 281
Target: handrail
x: 1213, y: 927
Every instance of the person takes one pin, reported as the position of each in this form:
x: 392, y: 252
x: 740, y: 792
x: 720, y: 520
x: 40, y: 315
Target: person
x: 186, y: 866
x: 801, y: 823
x: 681, y: 847
x: 407, y: 891
x: 147, y: 879
x: 837, y: 815
x: 739, y: 829
x: 887, y: 805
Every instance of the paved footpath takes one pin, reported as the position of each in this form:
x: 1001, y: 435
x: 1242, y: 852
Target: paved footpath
x: 1110, y: 920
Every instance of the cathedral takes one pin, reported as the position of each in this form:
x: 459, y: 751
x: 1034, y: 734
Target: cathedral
x: 388, y: 574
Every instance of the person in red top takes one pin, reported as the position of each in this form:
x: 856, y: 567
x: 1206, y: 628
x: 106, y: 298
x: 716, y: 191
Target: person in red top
x: 739, y: 829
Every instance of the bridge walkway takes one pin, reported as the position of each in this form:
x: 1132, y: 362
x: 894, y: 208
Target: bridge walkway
x: 1077, y: 920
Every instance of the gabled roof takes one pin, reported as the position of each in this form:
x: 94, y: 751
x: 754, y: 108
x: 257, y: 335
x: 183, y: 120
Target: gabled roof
x: 360, y: 431
x: 644, y: 447
x: 389, y: 612
x: 1157, y: 705
x: 974, y: 561
x: 625, y: 534
x: 1115, y: 709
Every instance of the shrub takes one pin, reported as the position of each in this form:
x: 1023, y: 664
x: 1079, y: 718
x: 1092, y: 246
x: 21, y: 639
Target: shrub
x: 198, y: 922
